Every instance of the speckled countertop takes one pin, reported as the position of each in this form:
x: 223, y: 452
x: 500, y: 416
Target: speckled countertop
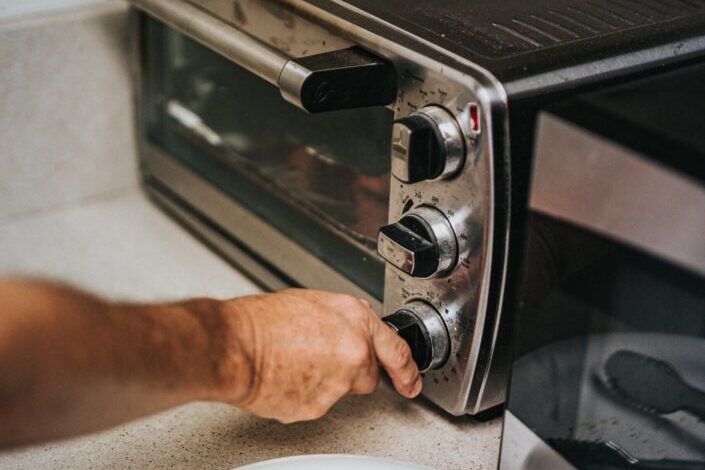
x: 119, y: 244
x: 71, y: 209
x: 214, y: 436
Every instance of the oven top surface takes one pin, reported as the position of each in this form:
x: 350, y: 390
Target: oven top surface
x: 512, y: 38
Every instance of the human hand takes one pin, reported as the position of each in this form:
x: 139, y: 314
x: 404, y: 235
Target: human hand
x: 306, y: 349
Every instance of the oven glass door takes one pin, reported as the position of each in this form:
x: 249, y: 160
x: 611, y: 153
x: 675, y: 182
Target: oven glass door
x: 320, y: 179
x: 610, y: 358
x: 609, y: 366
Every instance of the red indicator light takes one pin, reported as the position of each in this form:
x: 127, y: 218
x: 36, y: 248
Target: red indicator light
x: 474, y: 112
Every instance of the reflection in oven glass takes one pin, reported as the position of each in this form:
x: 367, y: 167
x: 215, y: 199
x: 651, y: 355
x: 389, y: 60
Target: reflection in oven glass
x: 320, y: 180
x: 334, y: 165
x: 611, y: 363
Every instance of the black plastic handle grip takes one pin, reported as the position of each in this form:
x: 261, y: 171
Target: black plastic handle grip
x: 337, y: 80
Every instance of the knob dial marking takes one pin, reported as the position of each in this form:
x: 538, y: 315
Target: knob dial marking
x: 421, y: 244
x: 426, y: 145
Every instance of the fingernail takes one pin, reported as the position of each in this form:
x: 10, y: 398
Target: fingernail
x: 416, y: 389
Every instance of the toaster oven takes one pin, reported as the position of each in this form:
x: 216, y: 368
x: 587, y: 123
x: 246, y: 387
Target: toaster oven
x: 380, y: 148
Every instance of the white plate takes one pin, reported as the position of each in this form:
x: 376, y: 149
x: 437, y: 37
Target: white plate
x: 333, y: 461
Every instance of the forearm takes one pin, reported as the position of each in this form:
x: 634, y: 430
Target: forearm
x: 71, y: 363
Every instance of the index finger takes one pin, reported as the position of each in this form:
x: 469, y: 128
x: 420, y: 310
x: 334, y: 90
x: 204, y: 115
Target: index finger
x: 394, y: 354
x: 391, y: 350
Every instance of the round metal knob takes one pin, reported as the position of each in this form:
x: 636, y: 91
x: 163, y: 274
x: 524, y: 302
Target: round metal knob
x: 426, y: 145
x: 422, y: 243
x: 422, y: 327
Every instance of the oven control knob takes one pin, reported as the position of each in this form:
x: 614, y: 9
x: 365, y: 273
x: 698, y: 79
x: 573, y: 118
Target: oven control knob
x: 422, y: 243
x: 422, y: 327
x: 426, y: 145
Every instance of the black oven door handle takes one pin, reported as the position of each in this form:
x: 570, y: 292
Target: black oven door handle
x: 343, y: 79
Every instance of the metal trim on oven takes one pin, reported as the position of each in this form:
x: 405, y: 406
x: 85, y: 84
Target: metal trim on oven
x: 224, y: 245
x: 272, y: 63
x: 251, y: 54
x: 593, y: 182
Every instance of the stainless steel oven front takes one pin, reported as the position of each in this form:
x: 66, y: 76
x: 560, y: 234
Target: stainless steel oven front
x: 286, y: 135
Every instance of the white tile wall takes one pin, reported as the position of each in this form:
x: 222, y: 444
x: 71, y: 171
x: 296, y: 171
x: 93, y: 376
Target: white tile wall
x: 10, y: 8
x: 66, y: 111
x: 120, y: 245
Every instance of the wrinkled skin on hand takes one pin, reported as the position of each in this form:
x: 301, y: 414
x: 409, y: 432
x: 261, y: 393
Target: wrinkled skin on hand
x: 73, y: 363
x: 307, y: 349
